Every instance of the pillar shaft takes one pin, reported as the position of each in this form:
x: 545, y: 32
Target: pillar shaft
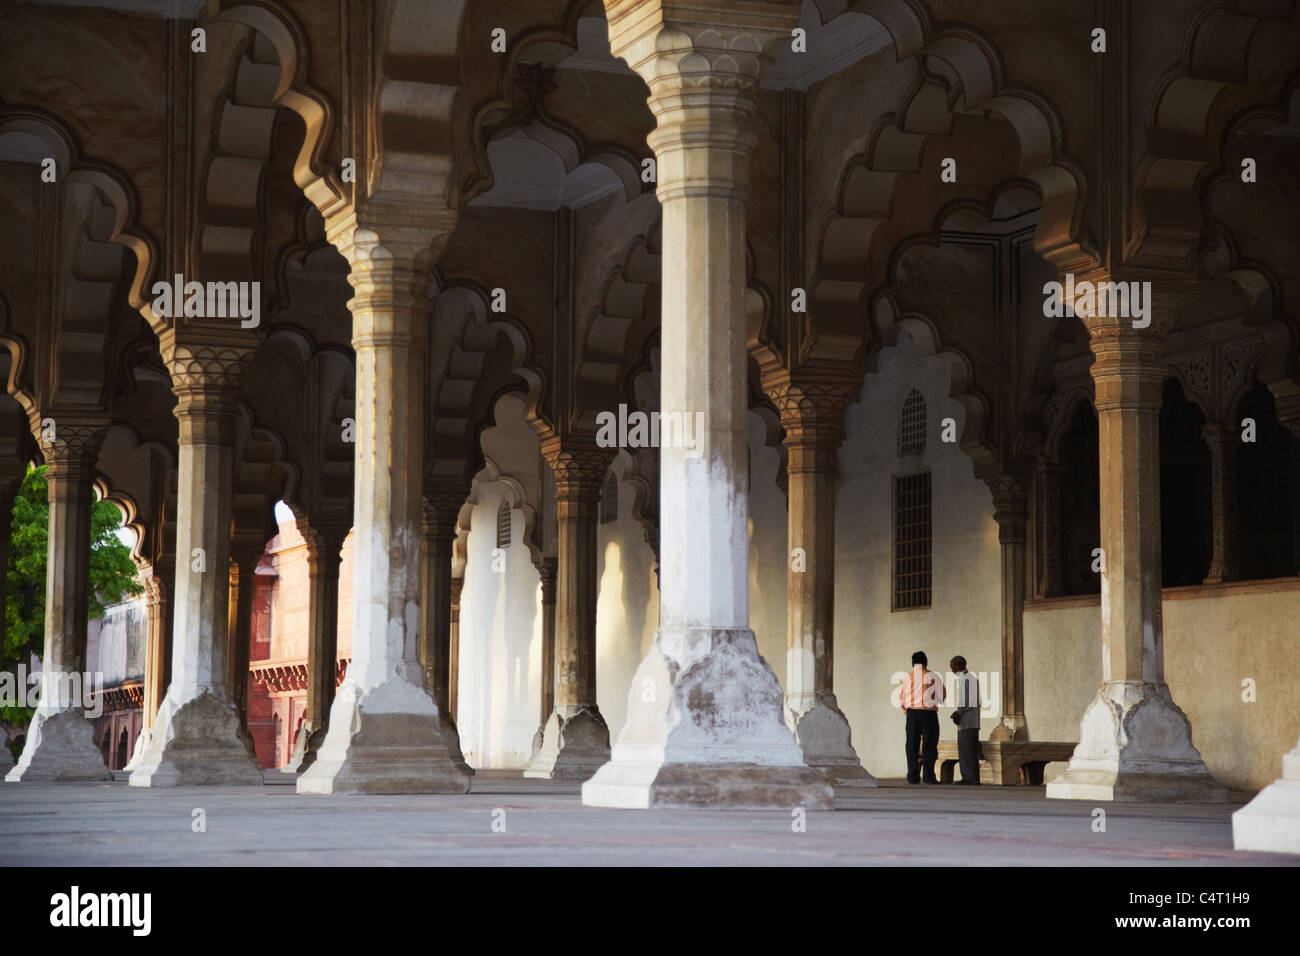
x: 575, y: 740
x: 243, y: 591
x: 384, y: 733
x: 707, y: 727
x: 198, y: 737
x: 453, y: 652
x: 1135, y: 743
x: 60, y: 740
x: 323, y: 559
x: 1010, y: 511
x: 441, y: 510
x: 549, y: 573
x: 1225, y: 564
x: 1050, y: 474
x: 158, y: 652
x: 812, y: 414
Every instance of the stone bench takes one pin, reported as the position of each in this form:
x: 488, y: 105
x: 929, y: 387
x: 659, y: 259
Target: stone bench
x: 1007, y: 762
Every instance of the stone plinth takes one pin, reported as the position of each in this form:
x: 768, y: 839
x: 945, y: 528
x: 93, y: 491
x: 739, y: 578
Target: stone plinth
x: 1271, y: 822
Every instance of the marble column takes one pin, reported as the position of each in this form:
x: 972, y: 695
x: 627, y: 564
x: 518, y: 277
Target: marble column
x: 243, y: 583
x: 548, y: 574
x: 453, y: 652
x: 197, y: 737
x: 812, y: 415
x: 441, y: 510
x: 1225, y: 563
x: 1050, y: 474
x: 1135, y: 743
x: 385, y: 733
x: 324, y: 556
x: 1010, y: 511
x: 60, y: 740
x: 706, y: 723
x: 158, y: 656
x: 575, y: 740
x: 1271, y: 821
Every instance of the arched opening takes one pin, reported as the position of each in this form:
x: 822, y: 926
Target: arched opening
x: 120, y: 757
x: 1268, y: 500
x: 1186, y: 535
x: 1080, y: 503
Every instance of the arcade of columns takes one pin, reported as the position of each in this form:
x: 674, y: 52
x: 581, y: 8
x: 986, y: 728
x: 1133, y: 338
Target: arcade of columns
x: 708, y: 722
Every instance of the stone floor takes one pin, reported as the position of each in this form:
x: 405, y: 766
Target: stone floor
x: 545, y: 824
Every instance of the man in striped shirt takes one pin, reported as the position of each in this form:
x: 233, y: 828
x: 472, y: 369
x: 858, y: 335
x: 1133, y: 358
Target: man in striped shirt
x: 922, y: 693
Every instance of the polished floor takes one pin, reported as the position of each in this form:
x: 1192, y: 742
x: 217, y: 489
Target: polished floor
x: 512, y: 821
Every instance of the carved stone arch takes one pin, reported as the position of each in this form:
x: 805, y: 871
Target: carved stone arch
x: 1236, y: 56
x: 858, y: 239
x: 924, y: 333
x: 410, y: 139
x: 112, y: 185
x: 623, y: 326
x: 1059, y: 413
x: 507, y: 108
x: 263, y: 475
x: 314, y: 174
x: 517, y: 498
x: 475, y: 355
x: 137, y: 476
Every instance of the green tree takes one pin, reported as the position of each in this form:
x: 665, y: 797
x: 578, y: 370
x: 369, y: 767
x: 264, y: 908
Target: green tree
x: 112, y: 575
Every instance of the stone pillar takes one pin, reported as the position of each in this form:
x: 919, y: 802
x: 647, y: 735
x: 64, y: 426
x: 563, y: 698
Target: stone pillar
x: 1135, y: 743
x: 1050, y: 474
x: 1271, y: 822
x: 453, y: 652
x: 1010, y: 511
x: 575, y: 741
x: 243, y: 583
x: 706, y: 723
x: 1225, y: 564
x: 324, y: 556
x: 385, y: 735
x: 813, y: 417
x: 60, y: 740
x: 197, y: 737
x: 548, y: 574
x: 440, y: 513
x: 158, y: 653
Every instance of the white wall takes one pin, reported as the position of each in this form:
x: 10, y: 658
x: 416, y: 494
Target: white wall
x: 499, y: 687
x: 871, y: 642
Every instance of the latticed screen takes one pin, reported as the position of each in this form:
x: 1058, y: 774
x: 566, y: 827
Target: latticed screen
x: 912, y: 541
x: 911, y: 425
x: 609, y: 498
x: 503, y: 525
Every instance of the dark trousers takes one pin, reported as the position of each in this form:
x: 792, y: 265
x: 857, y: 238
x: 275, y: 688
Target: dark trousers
x: 968, y: 754
x: 922, y: 725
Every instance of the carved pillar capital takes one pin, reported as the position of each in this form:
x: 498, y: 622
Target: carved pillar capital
x: 701, y: 60
x: 74, y: 449
x: 579, y: 469
x: 812, y: 414
x: 548, y: 572
x: 206, y: 373
x: 1010, y: 507
x: 440, y: 510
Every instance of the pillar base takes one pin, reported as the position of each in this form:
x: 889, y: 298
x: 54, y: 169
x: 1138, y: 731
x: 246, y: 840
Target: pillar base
x: 305, y: 747
x: 383, y: 739
x: 1012, y: 727
x: 1135, y: 745
x: 573, y: 748
x: 451, y: 737
x: 1271, y: 822
x: 822, y: 733
x: 198, y: 742
x: 706, y: 728
x: 60, y: 746
x: 141, y: 748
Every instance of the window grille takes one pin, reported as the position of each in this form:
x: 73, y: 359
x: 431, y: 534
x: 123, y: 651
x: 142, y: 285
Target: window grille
x: 912, y: 541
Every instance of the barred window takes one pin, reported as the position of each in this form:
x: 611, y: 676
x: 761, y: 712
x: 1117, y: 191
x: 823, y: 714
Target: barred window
x: 912, y: 541
x: 503, y: 524
x: 609, y: 498
x: 912, y: 425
